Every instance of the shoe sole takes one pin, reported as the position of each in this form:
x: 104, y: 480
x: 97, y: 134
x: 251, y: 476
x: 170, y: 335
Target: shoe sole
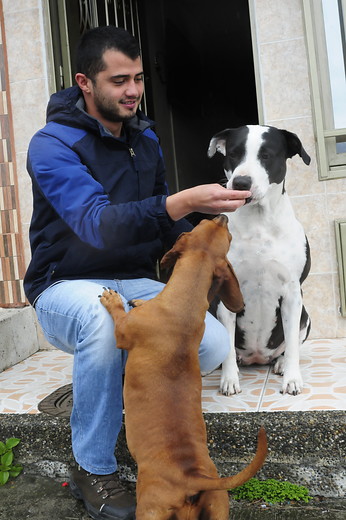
x: 96, y: 514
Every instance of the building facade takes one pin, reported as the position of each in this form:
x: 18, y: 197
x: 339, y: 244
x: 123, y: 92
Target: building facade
x: 290, y: 74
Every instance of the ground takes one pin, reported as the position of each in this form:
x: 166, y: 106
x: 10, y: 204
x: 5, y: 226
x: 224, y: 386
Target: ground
x: 42, y: 498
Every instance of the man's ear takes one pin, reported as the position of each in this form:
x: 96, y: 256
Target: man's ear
x: 228, y: 287
x: 83, y: 82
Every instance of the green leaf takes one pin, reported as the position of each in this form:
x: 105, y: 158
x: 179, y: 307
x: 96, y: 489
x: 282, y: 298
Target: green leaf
x: 14, y: 472
x: 12, y: 442
x: 16, y: 467
x: 7, y: 458
x: 4, y: 476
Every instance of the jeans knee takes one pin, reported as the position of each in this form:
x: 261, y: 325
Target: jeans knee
x: 215, y: 345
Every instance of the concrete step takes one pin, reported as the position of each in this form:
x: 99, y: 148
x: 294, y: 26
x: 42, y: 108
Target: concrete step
x: 306, y: 448
x: 18, y: 336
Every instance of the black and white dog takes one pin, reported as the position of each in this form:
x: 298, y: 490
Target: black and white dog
x: 270, y: 255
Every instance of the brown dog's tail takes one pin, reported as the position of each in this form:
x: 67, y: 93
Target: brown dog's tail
x: 204, y: 483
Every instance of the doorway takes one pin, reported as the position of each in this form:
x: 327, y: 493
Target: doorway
x: 199, y: 69
x: 200, y: 80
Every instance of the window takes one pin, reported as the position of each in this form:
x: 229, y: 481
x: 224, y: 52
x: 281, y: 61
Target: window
x: 340, y: 233
x: 325, y: 22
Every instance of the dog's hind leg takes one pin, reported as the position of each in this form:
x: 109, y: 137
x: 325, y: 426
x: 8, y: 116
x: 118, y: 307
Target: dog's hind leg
x: 212, y: 505
x: 279, y: 365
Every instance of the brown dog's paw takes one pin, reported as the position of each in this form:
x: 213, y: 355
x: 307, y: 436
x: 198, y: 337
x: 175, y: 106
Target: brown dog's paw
x: 136, y: 303
x: 110, y: 299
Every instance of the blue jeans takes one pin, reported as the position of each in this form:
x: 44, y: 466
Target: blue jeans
x: 74, y: 320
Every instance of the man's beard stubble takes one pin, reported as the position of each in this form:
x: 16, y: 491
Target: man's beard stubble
x: 109, y: 112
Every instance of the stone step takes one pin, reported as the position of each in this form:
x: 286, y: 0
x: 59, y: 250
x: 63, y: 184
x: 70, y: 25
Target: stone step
x: 306, y: 448
x: 18, y: 336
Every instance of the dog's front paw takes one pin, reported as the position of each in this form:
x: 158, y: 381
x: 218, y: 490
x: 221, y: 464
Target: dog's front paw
x: 229, y: 385
x: 136, y: 302
x: 110, y: 299
x: 292, y: 385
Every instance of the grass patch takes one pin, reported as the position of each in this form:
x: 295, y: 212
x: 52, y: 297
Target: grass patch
x: 270, y: 491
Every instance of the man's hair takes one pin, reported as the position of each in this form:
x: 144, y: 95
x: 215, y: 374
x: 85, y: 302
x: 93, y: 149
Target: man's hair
x: 93, y: 44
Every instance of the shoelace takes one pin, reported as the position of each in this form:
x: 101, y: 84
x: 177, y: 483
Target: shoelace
x: 109, y: 485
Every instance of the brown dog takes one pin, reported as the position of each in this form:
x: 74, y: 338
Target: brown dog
x: 165, y: 430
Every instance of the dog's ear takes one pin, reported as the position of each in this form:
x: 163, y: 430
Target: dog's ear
x: 218, y: 143
x: 294, y: 146
x: 170, y: 258
x: 226, y: 286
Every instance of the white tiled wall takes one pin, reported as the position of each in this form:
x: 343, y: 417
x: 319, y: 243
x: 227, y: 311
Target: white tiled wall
x: 285, y: 85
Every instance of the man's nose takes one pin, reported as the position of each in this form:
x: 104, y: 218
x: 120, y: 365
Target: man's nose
x: 133, y: 89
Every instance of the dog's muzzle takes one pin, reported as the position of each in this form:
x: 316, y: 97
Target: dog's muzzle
x: 221, y: 219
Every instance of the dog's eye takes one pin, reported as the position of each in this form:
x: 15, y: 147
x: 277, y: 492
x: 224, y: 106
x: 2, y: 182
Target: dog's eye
x: 265, y: 156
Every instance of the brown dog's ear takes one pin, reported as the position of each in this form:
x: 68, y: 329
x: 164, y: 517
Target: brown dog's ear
x: 226, y: 286
x: 169, y: 259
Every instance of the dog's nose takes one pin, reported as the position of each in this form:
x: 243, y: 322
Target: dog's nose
x: 242, y: 182
x: 221, y: 219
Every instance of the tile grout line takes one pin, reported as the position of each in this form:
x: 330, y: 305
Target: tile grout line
x: 258, y: 409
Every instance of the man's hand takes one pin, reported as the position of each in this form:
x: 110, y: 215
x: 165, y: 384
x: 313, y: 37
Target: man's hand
x: 206, y: 198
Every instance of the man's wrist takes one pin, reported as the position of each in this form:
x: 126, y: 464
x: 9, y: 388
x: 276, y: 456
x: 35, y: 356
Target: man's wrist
x: 177, y: 205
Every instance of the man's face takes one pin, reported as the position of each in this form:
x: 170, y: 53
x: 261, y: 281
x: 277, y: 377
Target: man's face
x: 117, y: 91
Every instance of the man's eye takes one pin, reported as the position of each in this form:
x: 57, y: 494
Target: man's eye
x: 139, y: 78
x: 119, y: 82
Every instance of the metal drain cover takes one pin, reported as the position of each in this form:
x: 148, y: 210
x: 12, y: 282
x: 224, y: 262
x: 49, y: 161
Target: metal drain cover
x: 58, y: 403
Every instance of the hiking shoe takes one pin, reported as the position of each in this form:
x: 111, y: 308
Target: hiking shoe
x: 103, y: 496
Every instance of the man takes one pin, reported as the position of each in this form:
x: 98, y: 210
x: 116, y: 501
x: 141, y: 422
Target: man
x: 101, y: 217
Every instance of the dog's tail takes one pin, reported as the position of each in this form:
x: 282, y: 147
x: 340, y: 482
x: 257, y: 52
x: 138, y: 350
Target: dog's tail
x: 205, y: 483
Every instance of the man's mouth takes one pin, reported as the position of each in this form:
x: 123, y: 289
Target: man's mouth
x: 130, y: 103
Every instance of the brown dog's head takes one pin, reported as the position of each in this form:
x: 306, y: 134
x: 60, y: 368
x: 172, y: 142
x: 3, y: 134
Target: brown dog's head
x: 213, y: 237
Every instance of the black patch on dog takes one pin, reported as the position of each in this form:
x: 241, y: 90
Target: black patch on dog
x: 272, y: 155
x: 235, y: 147
x: 307, y: 265
x: 277, y: 335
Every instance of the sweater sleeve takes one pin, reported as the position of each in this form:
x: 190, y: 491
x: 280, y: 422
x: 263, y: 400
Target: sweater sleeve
x: 80, y: 200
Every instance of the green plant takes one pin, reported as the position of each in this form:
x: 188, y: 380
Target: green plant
x: 270, y: 491
x: 7, y: 468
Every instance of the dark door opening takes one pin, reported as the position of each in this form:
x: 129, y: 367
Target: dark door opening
x: 199, y: 61
x: 199, y: 66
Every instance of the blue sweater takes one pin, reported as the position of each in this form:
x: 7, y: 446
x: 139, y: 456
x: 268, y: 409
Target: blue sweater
x: 99, y: 201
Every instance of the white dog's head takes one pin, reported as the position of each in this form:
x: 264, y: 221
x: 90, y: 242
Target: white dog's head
x: 255, y: 157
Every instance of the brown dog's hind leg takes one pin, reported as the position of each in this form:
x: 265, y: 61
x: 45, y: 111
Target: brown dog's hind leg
x: 213, y: 505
